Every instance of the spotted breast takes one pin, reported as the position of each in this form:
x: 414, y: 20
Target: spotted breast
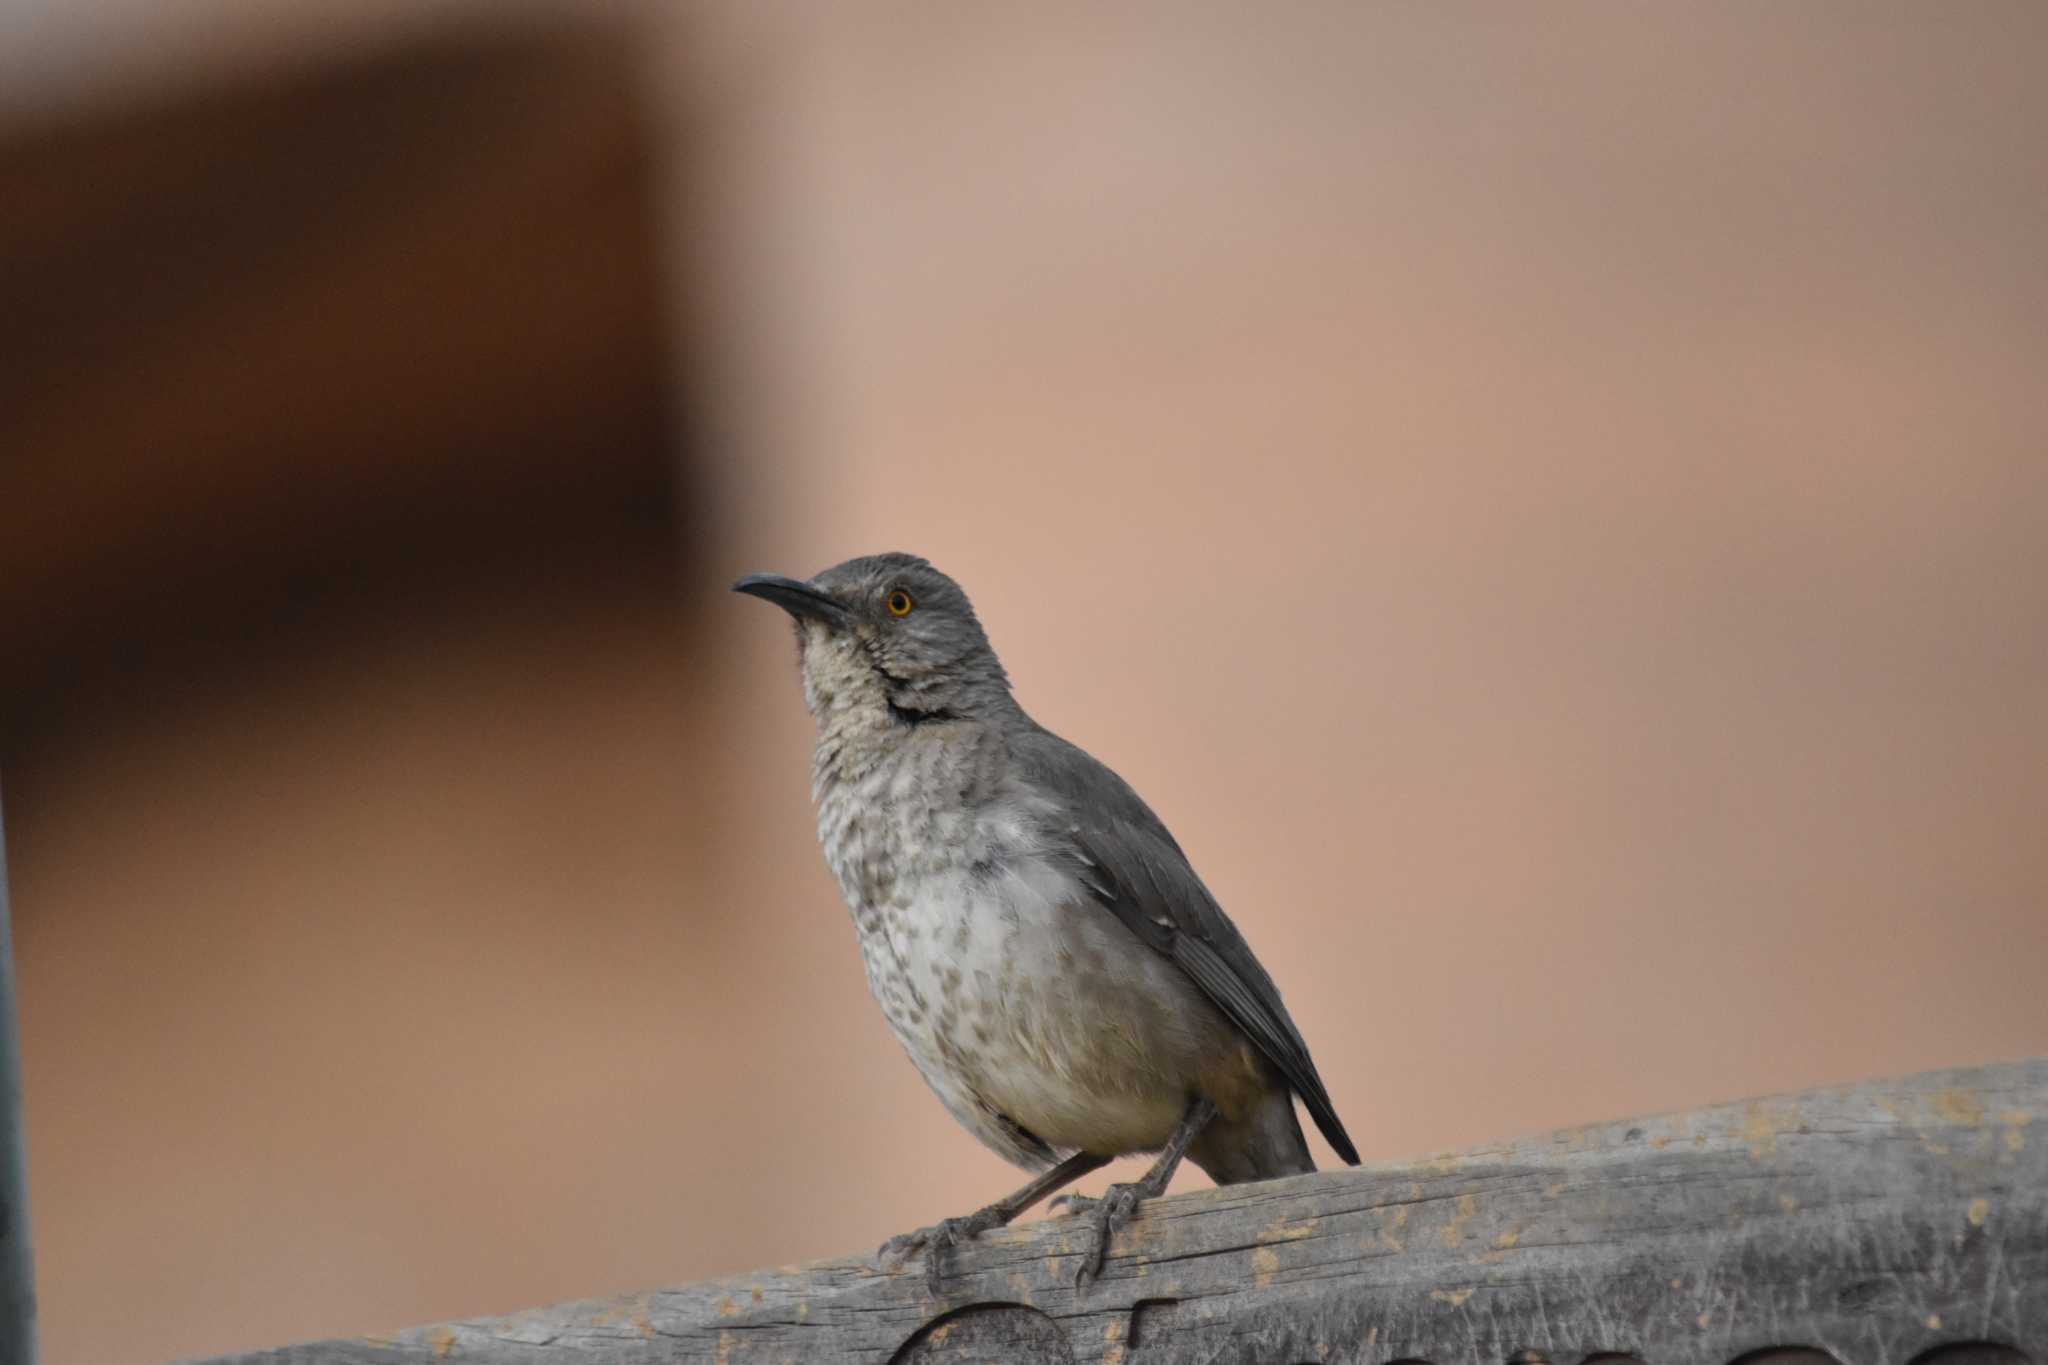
x: 989, y: 962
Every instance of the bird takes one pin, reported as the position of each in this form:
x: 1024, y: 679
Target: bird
x: 1037, y: 941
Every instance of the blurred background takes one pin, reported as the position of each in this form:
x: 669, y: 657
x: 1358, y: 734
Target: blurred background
x: 1549, y: 503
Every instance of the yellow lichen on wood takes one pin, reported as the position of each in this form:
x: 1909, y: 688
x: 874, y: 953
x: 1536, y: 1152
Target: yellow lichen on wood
x: 1284, y: 1230
x: 1761, y: 1126
x: 1957, y: 1106
x: 1468, y: 1207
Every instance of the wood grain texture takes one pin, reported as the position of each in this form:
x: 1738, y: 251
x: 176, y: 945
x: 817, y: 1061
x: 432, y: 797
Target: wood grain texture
x: 1887, y: 1223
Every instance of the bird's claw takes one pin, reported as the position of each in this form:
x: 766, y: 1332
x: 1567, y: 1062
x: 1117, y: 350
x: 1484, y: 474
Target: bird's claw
x: 1114, y: 1209
x: 934, y: 1242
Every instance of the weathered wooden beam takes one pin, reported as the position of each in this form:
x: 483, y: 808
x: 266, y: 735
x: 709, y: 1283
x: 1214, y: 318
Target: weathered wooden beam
x: 1876, y: 1223
x: 17, y: 1268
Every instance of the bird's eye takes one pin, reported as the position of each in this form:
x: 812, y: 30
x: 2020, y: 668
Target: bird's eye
x: 899, y: 603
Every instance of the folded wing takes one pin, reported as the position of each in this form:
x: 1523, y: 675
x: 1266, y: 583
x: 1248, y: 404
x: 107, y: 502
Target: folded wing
x: 1137, y: 872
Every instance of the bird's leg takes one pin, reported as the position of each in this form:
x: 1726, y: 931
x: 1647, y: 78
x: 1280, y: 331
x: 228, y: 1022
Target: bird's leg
x: 1119, y: 1202
x: 935, y: 1240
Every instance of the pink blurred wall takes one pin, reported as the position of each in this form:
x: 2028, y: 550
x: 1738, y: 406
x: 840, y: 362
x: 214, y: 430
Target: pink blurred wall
x: 1549, y: 504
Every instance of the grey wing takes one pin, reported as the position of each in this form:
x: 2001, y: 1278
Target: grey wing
x: 1138, y: 872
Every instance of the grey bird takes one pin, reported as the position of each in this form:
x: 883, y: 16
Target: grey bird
x: 1035, y: 938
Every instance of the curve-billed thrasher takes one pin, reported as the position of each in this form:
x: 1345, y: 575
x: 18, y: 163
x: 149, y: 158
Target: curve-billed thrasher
x: 1035, y: 937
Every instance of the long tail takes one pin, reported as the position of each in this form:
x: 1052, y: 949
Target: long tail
x: 1264, y: 1145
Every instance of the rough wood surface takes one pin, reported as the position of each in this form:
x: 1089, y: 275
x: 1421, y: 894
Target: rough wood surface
x: 1880, y: 1224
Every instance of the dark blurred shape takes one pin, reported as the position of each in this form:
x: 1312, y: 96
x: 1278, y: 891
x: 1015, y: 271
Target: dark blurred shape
x: 1786, y: 1355
x: 337, y: 465
x: 1973, y: 1353
x: 336, y: 340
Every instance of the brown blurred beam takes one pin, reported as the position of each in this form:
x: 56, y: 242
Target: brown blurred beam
x: 1887, y: 1223
x: 354, y: 331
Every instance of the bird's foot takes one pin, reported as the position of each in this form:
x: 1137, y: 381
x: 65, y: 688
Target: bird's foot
x: 936, y: 1240
x: 1110, y: 1212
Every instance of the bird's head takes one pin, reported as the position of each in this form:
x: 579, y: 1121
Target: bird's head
x: 888, y: 638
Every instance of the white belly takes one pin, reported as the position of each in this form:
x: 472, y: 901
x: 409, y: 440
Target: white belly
x: 1005, y: 992
x: 1033, y: 1014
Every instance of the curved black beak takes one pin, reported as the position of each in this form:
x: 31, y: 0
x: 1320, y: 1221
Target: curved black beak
x: 793, y: 596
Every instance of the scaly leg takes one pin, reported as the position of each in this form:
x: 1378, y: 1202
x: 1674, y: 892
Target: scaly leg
x: 935, y: 1240
x: 1119, y: 1202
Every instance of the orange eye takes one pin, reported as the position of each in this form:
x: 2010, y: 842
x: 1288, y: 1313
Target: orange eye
x: 899, y: 603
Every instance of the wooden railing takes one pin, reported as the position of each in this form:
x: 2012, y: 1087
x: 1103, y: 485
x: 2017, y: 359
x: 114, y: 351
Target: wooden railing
x: 1900, y: 1222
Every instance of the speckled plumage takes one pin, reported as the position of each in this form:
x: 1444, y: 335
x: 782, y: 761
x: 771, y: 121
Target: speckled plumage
x: 1034, y: 937
x: 1036, y: 1018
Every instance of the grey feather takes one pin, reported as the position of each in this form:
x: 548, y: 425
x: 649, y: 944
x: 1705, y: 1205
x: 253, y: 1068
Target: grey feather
x: 1139, y: 873
x: 1035, y: 938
